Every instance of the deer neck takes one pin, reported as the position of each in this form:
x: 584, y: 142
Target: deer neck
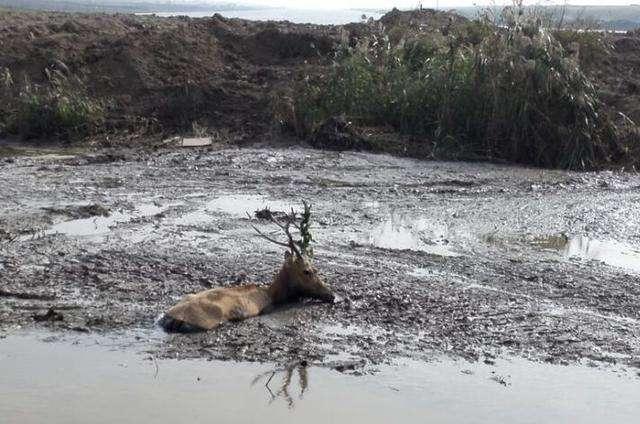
x: 280, y: 290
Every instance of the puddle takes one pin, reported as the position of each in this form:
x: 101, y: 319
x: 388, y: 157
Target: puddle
x: 90, y: 380
x: 612, y: 253
x: 194, y: 218
x: 241, y: 204
x: 621, y: 255
x: 563, y: 311
x: 434, y: 273
x: 100, y: 225
x: 401, y: 233
x: 350, y: 330
x: 371, y: 205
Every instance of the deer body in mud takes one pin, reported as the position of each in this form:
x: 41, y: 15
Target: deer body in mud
x: 296, y: 279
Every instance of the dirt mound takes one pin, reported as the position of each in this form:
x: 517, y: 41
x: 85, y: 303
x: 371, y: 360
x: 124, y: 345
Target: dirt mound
x: 272, y: 45
x: 428, y: 20
x: 626, y: 44
x: 159, y: 76
x: 167, y: 73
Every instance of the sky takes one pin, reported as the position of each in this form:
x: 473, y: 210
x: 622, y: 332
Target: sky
x: 388, y: 4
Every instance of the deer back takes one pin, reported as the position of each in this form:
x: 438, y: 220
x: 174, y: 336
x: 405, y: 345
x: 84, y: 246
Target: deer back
x: 208, y: 309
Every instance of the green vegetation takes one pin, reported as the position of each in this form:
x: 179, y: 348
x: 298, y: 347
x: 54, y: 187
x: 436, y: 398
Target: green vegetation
x: 301, y: 223
x: 305, y: 231
x: 60, y: 109
x: 476, y: 91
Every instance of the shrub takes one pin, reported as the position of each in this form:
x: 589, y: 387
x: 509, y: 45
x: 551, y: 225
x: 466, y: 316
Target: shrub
x: 60, y: 109
x: 511, y: 94
x: 590, y: 47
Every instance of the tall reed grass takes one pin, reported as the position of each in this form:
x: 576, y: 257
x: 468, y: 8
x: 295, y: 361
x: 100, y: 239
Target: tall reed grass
x: 59, y: 109
x: 510, y: 93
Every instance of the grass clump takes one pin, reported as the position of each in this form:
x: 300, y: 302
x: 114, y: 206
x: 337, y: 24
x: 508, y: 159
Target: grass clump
x: 60, y: 109
x: 478, y: 91
x: 590, y: 47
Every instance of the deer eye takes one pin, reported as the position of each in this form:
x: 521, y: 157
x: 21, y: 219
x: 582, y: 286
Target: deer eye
x: 306, y: 272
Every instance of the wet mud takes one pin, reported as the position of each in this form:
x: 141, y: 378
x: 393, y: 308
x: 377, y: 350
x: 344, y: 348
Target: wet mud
x: 475, y: 261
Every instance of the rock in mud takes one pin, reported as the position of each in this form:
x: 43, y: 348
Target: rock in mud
x: 5, y: 236
x: 347, y: 366
x: 26, y: 295
x: 50, y: 316
x: 336, y: 133
x: 267, y: 214
x: 98, y: 158
x: 80, y: 212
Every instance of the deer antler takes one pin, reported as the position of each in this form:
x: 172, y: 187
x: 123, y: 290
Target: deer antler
x: 298, y: 247
x: 286, y: 227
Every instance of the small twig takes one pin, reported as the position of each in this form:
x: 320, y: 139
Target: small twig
x: 292, y: 244
x: 261, y: 234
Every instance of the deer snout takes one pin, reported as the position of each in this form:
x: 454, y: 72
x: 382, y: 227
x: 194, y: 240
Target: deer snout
x: 329, y: 297
x: 326, y: 295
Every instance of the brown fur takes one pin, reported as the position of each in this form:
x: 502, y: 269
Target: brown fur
x: 208, y: 309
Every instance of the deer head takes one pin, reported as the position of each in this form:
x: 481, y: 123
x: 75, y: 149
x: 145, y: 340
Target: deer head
x: 303, y: 280
x: 297, y: 277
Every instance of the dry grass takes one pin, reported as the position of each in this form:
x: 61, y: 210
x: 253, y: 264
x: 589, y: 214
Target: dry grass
x: 60, y: 109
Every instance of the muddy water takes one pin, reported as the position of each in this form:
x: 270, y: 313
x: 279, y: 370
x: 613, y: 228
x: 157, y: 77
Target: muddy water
x: 621, y: 255
x: 100, y: 225
x: 407, y: 233
x: 90, y: 379
x: 242, y: 204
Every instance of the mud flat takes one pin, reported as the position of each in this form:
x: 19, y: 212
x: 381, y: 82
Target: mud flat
x: 469, y: 261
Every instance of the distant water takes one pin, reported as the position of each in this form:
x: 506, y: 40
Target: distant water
x: 301, y: 16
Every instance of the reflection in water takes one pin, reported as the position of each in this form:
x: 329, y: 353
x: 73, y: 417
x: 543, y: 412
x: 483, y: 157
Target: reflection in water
x: 241, y: 204
x: 287, y: 374
x: 557, y: 242
x: 100, y: 225
x: 112, y: 386
x: 612, y: 253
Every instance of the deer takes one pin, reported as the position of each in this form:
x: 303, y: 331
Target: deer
x: 297, y: 278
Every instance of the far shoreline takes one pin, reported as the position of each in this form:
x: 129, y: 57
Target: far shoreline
x: 279, y: 14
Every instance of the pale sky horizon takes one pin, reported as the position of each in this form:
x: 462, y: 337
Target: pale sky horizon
x: 388, y: 4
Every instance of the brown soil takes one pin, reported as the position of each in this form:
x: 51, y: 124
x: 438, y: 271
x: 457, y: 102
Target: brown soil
x: 167, y: 73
